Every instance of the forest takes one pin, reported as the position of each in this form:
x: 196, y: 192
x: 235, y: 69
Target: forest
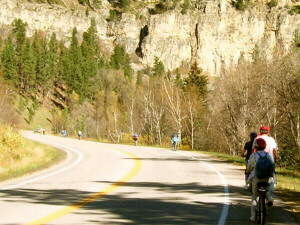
x: 102, y: 95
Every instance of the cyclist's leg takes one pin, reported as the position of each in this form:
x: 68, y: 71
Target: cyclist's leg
x: 253, y: 208
x: 254, y: 198
x: 271, y: 191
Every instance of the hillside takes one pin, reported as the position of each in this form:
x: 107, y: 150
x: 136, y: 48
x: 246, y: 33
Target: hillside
x: 216, y: 34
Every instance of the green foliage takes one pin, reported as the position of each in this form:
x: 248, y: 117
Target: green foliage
x: 114, y: 15
x: 124, y: 3
x: 81, y: 123
x: 186, y: 6
x: 158, y: 69
x: 121, y: 60
x: 241, y: 5
x: 163, y: 6
x: 297, y: 39
x: 97, y: 4
x: 9, y: 63
x: 197, y: 80
x: 20, y: 31
x: 29, y: 67
x: 295, y: 10
x: 272, y: 3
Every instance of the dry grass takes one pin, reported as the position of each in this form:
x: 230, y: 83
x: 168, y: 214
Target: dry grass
x: 19, y: 156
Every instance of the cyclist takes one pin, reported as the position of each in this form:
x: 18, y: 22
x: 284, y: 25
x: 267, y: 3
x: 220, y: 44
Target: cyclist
x: 174, y: 142
x: 271, y: 148
x: 260, y: 146
x: 135, y: 139
x: 79, y: 134
x: 247, y: 151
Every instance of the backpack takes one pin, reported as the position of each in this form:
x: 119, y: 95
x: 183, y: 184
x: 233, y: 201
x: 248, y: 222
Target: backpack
x: 264, y: 166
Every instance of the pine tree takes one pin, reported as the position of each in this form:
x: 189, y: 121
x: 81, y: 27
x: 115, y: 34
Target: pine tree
x: 197, y: 79
x: 9, y: 63
x: 90, y: 53
x: 39, y: 57
x: 20, y: 31
x: 29, y: 67
x: 53, y: 57
x: 73, y: 66
x: 121, y: 60
x: 158, y: 69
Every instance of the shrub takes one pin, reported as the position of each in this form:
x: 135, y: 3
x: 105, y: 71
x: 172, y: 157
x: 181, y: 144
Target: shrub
x: 241, y: 5
x: 272, y: 3
x: 295, y: 10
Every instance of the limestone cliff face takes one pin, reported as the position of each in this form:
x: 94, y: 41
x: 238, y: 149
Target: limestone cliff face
x: 215, y: 36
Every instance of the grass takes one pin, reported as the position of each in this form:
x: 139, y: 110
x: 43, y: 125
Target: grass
x: 19, y: 156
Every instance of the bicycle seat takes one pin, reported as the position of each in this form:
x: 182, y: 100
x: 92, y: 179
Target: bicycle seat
x: 262, y: 185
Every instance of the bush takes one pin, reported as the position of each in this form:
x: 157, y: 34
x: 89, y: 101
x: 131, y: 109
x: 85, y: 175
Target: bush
x: 241, y: 5
x: 272, y: 3
x: 295, y: 10
x: 114, y: 15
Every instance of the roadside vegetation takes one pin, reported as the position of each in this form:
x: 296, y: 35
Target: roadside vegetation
x: 19, y: 156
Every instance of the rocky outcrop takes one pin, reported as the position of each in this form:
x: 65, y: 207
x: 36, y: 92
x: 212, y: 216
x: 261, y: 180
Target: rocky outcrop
x: 215, y: 36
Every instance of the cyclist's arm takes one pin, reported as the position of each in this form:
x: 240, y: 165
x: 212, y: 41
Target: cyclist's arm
x: 276, y: 154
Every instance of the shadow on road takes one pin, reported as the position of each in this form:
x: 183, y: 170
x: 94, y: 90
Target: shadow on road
x: 151, y: 210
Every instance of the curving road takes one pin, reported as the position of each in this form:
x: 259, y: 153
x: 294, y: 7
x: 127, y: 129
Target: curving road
x: 120, y: 184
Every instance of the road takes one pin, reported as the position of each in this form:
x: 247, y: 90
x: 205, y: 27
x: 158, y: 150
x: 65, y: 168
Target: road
x: 120, y: 184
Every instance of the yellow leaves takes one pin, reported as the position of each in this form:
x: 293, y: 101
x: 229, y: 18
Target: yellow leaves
x: 12, y: 146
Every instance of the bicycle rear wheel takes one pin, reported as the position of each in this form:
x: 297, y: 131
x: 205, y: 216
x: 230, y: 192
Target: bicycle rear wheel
x: 263, y: 210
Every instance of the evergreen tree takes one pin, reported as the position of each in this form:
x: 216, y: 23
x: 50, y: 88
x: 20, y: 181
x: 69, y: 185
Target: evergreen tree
x: 121, y: 60
x: 20, y: 31
x: 39, y: 57
x: 29, y: 67
x: 73, y: 67
x: 158, y: 69
x: 90, y: 53
x: 197, y: 80
x: 53, y: 57
x: 9, y: 62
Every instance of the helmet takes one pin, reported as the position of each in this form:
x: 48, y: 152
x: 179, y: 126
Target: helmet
x: 253, y: 135
x: 264, y: 129
x: 260, y: 144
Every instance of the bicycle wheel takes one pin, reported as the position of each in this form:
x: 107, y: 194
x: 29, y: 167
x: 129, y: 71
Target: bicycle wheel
x: 263, y: 210
x: 257, y: 213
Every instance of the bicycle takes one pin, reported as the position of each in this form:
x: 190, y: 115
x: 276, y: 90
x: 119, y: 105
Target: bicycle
x: 174, y: 146
x: 261, y: 209
x: 135, y: 141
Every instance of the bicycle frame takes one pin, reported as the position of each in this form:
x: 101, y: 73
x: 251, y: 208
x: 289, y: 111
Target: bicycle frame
x: 261, y: 209
x: 174, y: 146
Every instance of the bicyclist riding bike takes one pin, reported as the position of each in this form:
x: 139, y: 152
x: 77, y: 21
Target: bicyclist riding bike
x: 261, y: 169
x: 135, y: 139
x: 174, y: 142
x: 79, y: 134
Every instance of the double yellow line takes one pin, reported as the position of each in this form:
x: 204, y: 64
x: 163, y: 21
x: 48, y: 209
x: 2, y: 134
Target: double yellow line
x: 94, y: 197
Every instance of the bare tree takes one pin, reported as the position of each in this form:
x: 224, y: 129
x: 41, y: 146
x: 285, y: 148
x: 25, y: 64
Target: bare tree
x: 174, y: 102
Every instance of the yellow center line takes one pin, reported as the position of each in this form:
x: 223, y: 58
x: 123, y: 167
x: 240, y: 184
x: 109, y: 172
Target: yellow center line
x: 94, y: 197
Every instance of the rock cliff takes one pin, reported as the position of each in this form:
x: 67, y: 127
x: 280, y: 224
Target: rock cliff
x: 216, y: 35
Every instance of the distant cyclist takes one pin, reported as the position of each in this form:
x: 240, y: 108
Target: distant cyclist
x: 135, y: 138
x: 261, y: 169
x: 79, y: 134
x: 174, y: 142
x: 247, y: 151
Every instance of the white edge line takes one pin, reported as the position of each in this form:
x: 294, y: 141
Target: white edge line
x: 53, y: 173
x: 224, y: 214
